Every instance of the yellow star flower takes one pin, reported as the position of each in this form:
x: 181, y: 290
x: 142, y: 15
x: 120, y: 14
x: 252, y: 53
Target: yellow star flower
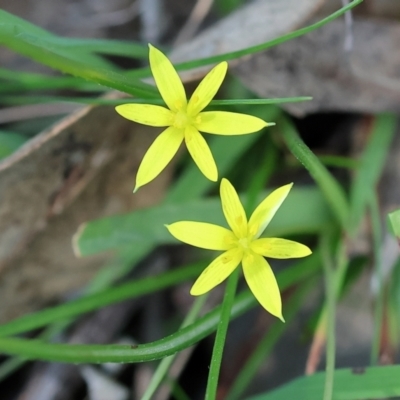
x: 242, y: 244
x: 184, y: 119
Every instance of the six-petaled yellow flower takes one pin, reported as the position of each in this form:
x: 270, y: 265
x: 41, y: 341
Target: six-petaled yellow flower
x: 242, y: 244
x: 184, y: 119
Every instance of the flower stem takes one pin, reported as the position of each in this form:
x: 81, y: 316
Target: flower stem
x: 330, y: 315
x: 222, y: 329
x: 334, y: 277
x: 164, y: 366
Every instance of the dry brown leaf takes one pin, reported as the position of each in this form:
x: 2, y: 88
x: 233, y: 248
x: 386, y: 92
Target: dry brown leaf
x: 80, y: 169
x: 365, y: 80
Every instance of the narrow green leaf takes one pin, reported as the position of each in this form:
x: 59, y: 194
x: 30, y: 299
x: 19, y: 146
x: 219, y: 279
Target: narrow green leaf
x: 94, y: 301
x: 220, y: 337
x: 23, y: 99
x: 162, y: 369
x: 379, y: 306
x: 17, y: 81
x: 186, y: 337
x: 266, y: 345
x: 103, y: 46
x: 29, y: 28
x: 145, y: 72
x: 371, y: 166
x: 304, y: 211
x: 38, y: 49
x: 394, y: 218
x: 350, y: 384
x: 9, y: 142
x: 331, y: 189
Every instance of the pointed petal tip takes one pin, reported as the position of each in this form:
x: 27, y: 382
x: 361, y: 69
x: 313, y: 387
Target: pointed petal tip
x: 288, y: 186
x: 214, y: 179
x: 281, y: 318
x: 309, y: 252
x: 270, y: 124
x: 211, y: 176
x: 195, y: 291
x: 225, y: 64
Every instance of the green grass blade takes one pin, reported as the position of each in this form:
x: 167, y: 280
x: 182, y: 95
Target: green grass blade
x: 330, y: 299
x: 220, y: 337
x: 140, y: 227
x: 371, y: 166
x: 379, y: 305
x: 9, y: 142
x: 264, y: 348
x: 339, y: 161
x: 394, y: 219
x: 145, y: 72
x: 100, y: 299
x: 350, y: 384
x: 34, y: 349
x: 103, y: 46
x: 165, y: 364
x: 87, y: 57
x: 331, y: 189
x: 23, y: 99
x: 37, y: 48
x: 16, y: 82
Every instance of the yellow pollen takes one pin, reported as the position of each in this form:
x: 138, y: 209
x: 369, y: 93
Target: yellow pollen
x: 181, y: 120
x: 245, y: 243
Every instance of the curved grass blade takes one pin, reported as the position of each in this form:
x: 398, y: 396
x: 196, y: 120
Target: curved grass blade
x: 350, y: 384
x: 145, y: 72
x: 38, y: 49
x: 97, y: 300
x: 34, y: 349
x: 331, y: 189
x: 371, y: 165
x: 146, y: 225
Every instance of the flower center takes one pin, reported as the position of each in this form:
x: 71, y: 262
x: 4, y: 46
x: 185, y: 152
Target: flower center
x: 245, y: 243
x: 181, y: 120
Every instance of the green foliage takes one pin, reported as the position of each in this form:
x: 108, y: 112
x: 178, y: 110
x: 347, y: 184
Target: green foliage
x: 350, y: 384
x: 329, y: 213
x: 9, y: 142
x: 394, y: 218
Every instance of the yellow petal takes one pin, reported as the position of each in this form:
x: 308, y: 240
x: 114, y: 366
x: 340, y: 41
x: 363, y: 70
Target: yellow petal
x: 262, y: 283
x: 233, y: 209
x: 146, y: 114
x: 158, y: 155
x: 228, y: 123
x: 279, y: 248
x: 263, y: 214
x: 167, y: 80
x: 217, y: 272
x: 201, y: 153
x: 207, y: 89
x: 203, y: 235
